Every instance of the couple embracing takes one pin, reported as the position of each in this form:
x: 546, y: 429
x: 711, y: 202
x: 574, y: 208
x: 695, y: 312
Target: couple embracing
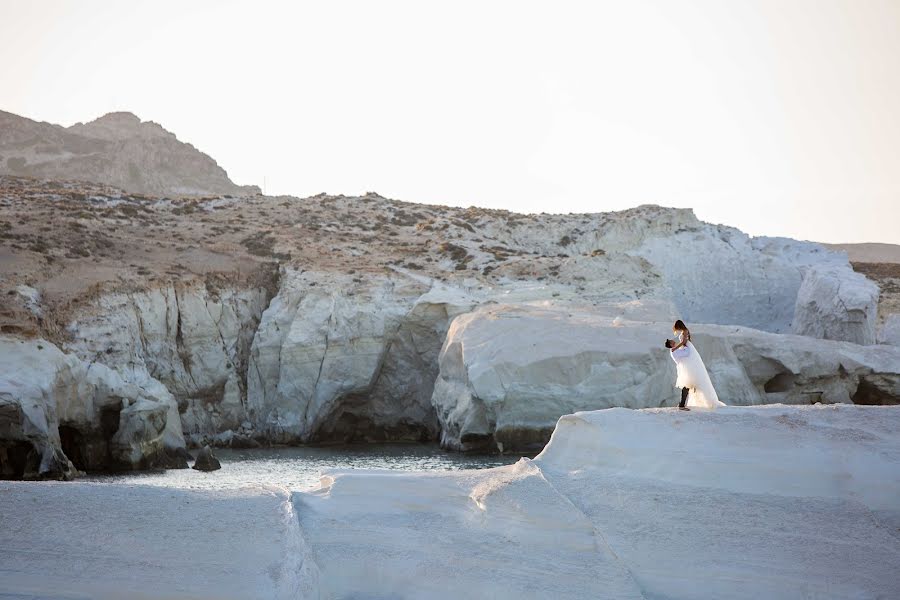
x: 696, y: 388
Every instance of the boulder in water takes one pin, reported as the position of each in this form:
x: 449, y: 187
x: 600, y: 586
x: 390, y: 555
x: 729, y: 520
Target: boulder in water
x: 206, y: 460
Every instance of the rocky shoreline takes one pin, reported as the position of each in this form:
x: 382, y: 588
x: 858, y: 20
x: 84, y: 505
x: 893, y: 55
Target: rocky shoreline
x: 337, y: 318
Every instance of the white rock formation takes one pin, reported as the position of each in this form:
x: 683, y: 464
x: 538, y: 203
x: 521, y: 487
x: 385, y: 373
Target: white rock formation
x: 721, y: 275
x: 193, y: 339
x: 349, y: 347
x: 508, y: 372
x: 836, y: 305
x: 738, y: 503
x: 759, y: 502
x: 499, y: 533
x: 95, y: 540
x: 32, y: 299
x: 58, y: 413
x: 337, y: 356
x: 32, y: 377
x: 351, y: 353
x: 710, y: 273
x: 341, y: 357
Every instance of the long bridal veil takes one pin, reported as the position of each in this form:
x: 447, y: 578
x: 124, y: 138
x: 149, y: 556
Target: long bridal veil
x: 692, y: 374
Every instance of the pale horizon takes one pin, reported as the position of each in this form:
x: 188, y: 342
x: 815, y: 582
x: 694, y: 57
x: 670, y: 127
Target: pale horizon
x: 778, y: 119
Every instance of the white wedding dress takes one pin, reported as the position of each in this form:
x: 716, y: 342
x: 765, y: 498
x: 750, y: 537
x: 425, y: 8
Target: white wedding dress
x: 692, y: 374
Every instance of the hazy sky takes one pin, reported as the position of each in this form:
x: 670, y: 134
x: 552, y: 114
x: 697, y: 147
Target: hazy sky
x: 781, y: 117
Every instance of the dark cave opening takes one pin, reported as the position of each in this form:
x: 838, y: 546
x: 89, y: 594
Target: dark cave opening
x: 72, y: 444
x: 782, y: 382
x: 109, y: 421
x: 350, y: 428
x: 867, y: 393
x: 14, y: 459
x: 88, y: 448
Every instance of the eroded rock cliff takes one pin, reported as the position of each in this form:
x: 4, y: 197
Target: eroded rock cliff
x: 339, y: 357
x: 59, y: 415
x: 286, y: 320
x: 192, y: 338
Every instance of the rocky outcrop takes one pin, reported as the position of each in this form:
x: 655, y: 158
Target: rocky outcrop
x: 32, y: 377
x: 194, y: 338
x: 346, y: 345
x: 341, y: 357
x: 59, y: 415
x: 718, y: 274
x: 836, y: 305
x: 507, y: 373
x: 116, y: 149
x: 348, y: 358
x: 710, y: 273
x: 206, y: 460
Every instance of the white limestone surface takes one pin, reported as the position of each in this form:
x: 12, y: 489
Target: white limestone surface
x: 833, y: 304
x: 192, y: 338
x: 42, y: 388
x: 342, y: 354
x: 744, y: 502
x: 108, y: 542
x: 761, y: 502
x: 740, y: 503
x: 34, y: 377
x: 501, y: 533
x: 508, y: 372
x: 337, y: 355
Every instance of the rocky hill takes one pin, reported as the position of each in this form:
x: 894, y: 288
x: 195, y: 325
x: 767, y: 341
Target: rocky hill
x: 116, y: 149
x: 264, y: 320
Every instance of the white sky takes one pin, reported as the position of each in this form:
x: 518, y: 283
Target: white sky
x: 778, y: 117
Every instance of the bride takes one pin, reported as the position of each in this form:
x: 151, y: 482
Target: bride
x: 696, y: 388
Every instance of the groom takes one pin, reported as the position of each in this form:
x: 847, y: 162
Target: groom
x: 678, y: 355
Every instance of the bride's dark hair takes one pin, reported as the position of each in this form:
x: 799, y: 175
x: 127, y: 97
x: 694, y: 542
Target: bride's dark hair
x: 679, y: 326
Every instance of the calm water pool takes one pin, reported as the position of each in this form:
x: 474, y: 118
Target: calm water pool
x: 299, y: 468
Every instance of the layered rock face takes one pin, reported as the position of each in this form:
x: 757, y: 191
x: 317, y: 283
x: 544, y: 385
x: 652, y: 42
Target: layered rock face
x: 59, y: 414
x: 192, y: 338
x: 286, y: 320
x: 709, y: 273
x: 336, y: 357
x: 508, y: 372
x: 116, y: 149
x: 835, y: 305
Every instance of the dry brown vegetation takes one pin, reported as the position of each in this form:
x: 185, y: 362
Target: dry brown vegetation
x: 887, y: 276
x: 74, y: 240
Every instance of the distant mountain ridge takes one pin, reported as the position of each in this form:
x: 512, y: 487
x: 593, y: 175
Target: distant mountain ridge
x: 870, y: 252
x: 116, y: 149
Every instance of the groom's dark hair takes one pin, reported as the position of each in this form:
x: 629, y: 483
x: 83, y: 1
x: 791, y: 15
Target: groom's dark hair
x: 668, y: 343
